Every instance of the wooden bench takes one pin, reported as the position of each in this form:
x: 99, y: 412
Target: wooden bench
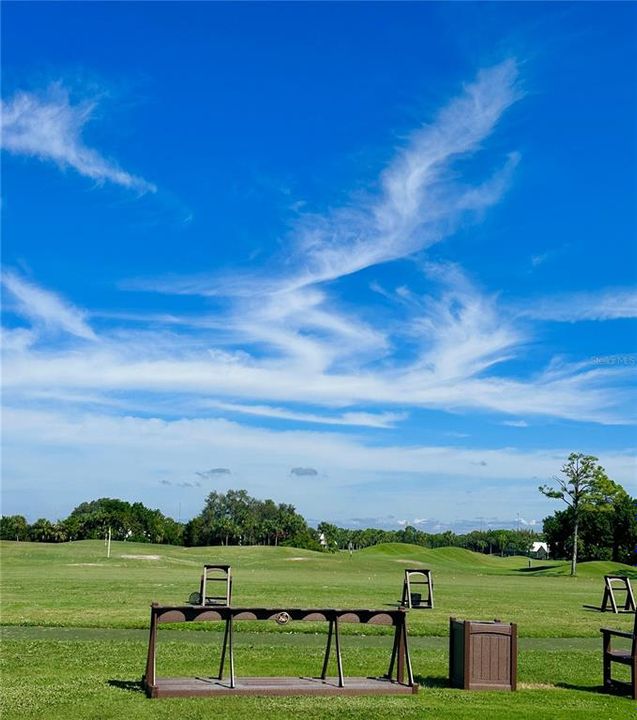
x: 216, y: 686
x: 621, y: 656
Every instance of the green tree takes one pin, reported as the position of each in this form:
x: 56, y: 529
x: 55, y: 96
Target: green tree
x: 45, y: 531
x: 624, y: 521
x: 331, y: 534
x: 584, y: 486
x: 13, y: 527
x: 603, y: 535
x: 135, y: 522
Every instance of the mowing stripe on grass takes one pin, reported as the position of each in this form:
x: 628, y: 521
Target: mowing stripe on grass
x: 267, y: 639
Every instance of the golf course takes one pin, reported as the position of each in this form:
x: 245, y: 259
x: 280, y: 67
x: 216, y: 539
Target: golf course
x: 75, y: 630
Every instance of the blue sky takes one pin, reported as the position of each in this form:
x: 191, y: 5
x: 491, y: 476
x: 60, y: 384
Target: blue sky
x: 376, y: 260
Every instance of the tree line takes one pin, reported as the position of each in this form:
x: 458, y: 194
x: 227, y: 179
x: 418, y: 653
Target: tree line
x: 236, y: 518
x: 491, y: 541
x: 599, y: 523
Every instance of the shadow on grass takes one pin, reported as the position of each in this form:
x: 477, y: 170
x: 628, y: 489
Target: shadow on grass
x: 599, y: 689
x: 536, y: 568
x: 620, y: 611
x: 593, y: 608
x: 431, y: 681
x: 128, y: 685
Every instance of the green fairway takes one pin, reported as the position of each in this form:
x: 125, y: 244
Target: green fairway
x: 74, y: 642
x: 73, y: 584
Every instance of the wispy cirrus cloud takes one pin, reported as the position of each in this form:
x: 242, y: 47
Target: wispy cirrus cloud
x: 463, y: 331
x: 46, y: 309
x: 460, y: 337
x: 605, y: 304
x: 420, y: 201
x: 361, y: 419
x: 49, y: 126
x: 574, y: 391
x: 289, y: 340
x: 289, y: 315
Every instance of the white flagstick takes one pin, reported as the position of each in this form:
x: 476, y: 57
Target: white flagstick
x: 108, y: 551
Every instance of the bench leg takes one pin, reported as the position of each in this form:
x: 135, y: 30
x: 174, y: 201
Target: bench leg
x: 149, y: 677
x: 607, y: 679
x: 394, y: 652
x: 339, y: 661
x: 403, y: 657
x: 230, y: 650
x: 223, y: 649
x: 328, y: 647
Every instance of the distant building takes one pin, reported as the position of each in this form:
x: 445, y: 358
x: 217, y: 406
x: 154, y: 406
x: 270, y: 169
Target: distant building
x: 539, y: 550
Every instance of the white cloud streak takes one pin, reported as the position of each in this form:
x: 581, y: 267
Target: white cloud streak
x: 419, y: 203
x: 49, y: 127
x: 607, y: 304
x: 45, y: 308
x: 361, y: 419
x: 459, y: 337
x: 463, y: 332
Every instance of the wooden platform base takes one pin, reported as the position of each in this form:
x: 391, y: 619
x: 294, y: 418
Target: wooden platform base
x: 211, y: 687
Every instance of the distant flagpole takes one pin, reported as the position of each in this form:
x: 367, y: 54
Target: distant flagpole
x: 108, y: 543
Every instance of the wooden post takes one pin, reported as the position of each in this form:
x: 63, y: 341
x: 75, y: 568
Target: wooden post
x: 394, y: 652
x: 400, y: 666
x: 223, y: 649
x: 407, y: 658
x: 339, y: 661
x: 149, y: 677
x: 606, y: 656
x: 231, y: 650
x: 328, y: 647
x: 609, y: 595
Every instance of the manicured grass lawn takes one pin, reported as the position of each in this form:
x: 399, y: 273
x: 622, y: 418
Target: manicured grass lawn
x: 99, y: 679
x: 75, y: 585
x: 55, y: 666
